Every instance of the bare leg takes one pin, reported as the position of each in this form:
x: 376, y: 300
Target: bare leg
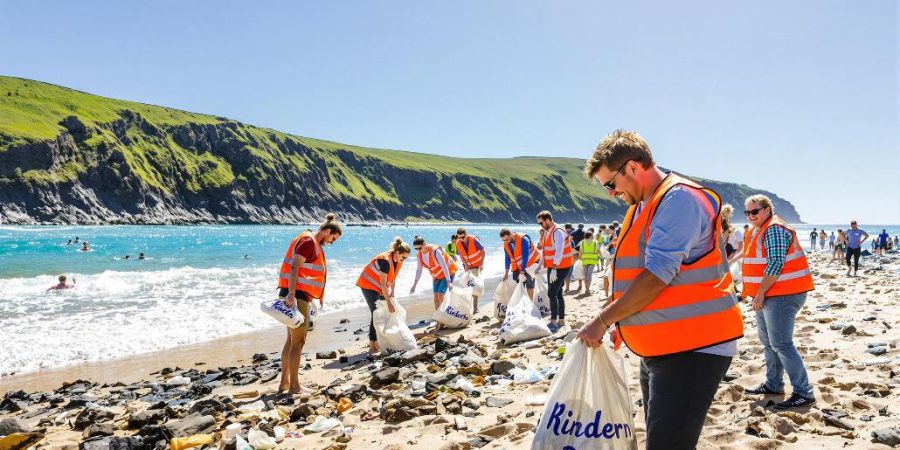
x: 285, y: 362
x: 438, y: 299
x: 530, y: 293
x: 298, y: 340
x: 475, y: 303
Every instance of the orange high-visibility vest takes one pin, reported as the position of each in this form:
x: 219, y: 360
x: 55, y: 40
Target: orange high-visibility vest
x: 473, y: 257
x: 747, y: 234
x: 310, y: 277
x: 370, y: 278
x: 698, y: 308
x: 547, y: 249
x: 426, y: 259
x: 515, y: 256
x: 794, y: 278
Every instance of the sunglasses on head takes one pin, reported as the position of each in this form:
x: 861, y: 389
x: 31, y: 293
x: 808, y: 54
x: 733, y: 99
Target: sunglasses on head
x: 611, y: 184
x: 752, y: 212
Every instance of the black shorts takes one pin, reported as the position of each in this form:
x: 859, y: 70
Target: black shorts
x: 529, y: 281
x: 300, y: 295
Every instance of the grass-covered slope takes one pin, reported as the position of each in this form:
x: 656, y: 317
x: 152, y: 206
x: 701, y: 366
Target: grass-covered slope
x: 68, y: 156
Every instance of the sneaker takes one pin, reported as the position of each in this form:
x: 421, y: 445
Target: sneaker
x: 762, y: 389
x: 796, y: 401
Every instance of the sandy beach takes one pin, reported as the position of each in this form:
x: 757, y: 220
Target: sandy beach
x: 838, y: 333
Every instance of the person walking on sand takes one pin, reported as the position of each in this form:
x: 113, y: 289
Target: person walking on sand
x: 521, y: 257
x: 558, y: 256
x: 855, y: 238
x: 450, y: 248
x: 62, y: 284
x: 377, y: 282
x: 823, y: 236
x: 673, y: 302
x: 777, y: 278
x: 831, y: 240
x: 812, y: 240
x: 883, y: 239
x: 471, y: 251
x: 588, y: 251
x: 302, y: 278
x: 441, y: 267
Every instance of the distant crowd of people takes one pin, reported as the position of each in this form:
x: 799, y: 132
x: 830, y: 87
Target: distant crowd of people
x: 847, y: 245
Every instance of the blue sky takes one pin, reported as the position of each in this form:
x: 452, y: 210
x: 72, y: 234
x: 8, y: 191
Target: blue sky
x: 797, y: 97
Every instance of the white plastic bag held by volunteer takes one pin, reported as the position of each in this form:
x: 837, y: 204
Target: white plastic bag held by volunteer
x: 501, y: 297
x: 456, y: 310
x: 578, y: 270
x: 391, y: 330
x: 470, y: 280
x: 588, y: 406
x: 279, y: 311
x: 523, y: 320
x: 541, y: 298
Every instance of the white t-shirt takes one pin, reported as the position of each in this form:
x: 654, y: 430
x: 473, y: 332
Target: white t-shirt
x: 736, y: 239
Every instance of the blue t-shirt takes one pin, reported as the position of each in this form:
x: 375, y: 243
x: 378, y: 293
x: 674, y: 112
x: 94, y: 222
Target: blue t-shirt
x: 681, y: 231
x: 854, y: 237
x: 883, y: 238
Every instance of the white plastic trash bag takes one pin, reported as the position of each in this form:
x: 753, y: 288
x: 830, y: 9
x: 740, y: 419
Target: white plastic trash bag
x: 541, y: 297
x: 604, y: 252
x: 588, y: 404
x: 391, y: 330
x: 456, y: 310
x: 737, y: 272
x: 523, y: 320
x: 578, y: 271
x: 501, y: 297
x: 313, y: 314
x: 470, y: 280
x: 280, y: 312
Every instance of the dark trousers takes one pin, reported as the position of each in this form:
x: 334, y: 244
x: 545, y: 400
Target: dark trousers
x: 372, y: 297
x: 555, y: 293
x: 854, y: 252
x: 677, y: 391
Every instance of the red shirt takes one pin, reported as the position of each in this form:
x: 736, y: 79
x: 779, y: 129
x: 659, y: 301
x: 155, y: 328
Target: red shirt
x: 307, y: 249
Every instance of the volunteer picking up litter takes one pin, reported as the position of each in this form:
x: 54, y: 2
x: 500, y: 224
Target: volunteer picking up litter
x: 673, y: 301
x: 518, y: 248
x: 471, y: 251
x: 377, y: 281
x: 302, y: 278
x: 439, y: 264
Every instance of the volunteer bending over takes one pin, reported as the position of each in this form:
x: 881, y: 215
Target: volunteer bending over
x: 304, y: 268
x: 518, y: 248
x: 377, y: 281
x: 673, y: 300
x: 471, y: 251
x: 439, y: 265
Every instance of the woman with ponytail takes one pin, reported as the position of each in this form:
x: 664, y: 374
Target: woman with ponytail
x: 302, y: 278
x: 377, y: 281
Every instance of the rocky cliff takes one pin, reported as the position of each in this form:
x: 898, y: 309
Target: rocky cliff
x: 71, y: 157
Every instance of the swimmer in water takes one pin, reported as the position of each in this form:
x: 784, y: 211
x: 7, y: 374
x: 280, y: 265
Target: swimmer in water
x: 142, y: 256
x: 62, y: 284
x: 85, y: 247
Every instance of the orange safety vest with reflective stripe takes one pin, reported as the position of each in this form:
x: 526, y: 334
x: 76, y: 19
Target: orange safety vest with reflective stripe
x: 698, y: 308
x: 472, y: 257
x: 426, y: 259
x: 310, y: 277
x: 549, y: 252
x: 515, y: 256
x: 370, y: 278
x: 795, y: 277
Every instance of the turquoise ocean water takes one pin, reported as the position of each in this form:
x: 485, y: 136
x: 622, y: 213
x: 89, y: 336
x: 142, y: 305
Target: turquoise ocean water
x: 195, y: 285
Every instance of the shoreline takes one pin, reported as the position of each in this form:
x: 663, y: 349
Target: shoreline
x: 232, y: 350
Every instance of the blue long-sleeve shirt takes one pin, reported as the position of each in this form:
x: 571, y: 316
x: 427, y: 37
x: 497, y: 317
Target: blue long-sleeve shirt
x: 526, y: 250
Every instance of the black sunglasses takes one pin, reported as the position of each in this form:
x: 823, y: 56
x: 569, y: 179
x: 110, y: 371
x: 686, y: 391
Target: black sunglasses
x: 753, y: 212
x: 611, y: 185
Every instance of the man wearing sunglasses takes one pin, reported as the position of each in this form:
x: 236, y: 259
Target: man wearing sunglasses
x: 672, y: 302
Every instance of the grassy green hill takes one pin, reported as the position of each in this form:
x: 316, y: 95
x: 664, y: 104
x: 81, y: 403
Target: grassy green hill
x: 69, y: 156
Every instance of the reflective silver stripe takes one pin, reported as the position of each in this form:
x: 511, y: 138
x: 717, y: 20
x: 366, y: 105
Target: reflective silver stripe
x: 310, y: 282
x: 316, y: 267
x: 370, y: 280
x: 782, y: 277
x: 681, y: 312
x: 288, y: 260
x: 697, y: 276
x: 789, y: 257
x: 374, y: 267
x: 628, y: 262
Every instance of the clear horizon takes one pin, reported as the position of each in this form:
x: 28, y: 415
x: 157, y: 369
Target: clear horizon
x: 800, y: 99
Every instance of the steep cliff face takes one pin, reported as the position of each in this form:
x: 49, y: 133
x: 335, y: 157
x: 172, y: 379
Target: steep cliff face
x: 71, y: 157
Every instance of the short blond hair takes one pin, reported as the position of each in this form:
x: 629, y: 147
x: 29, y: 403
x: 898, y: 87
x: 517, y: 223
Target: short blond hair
x: 762, y: 199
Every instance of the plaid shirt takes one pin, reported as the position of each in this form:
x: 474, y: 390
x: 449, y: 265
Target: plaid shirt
x: 777, y: 240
